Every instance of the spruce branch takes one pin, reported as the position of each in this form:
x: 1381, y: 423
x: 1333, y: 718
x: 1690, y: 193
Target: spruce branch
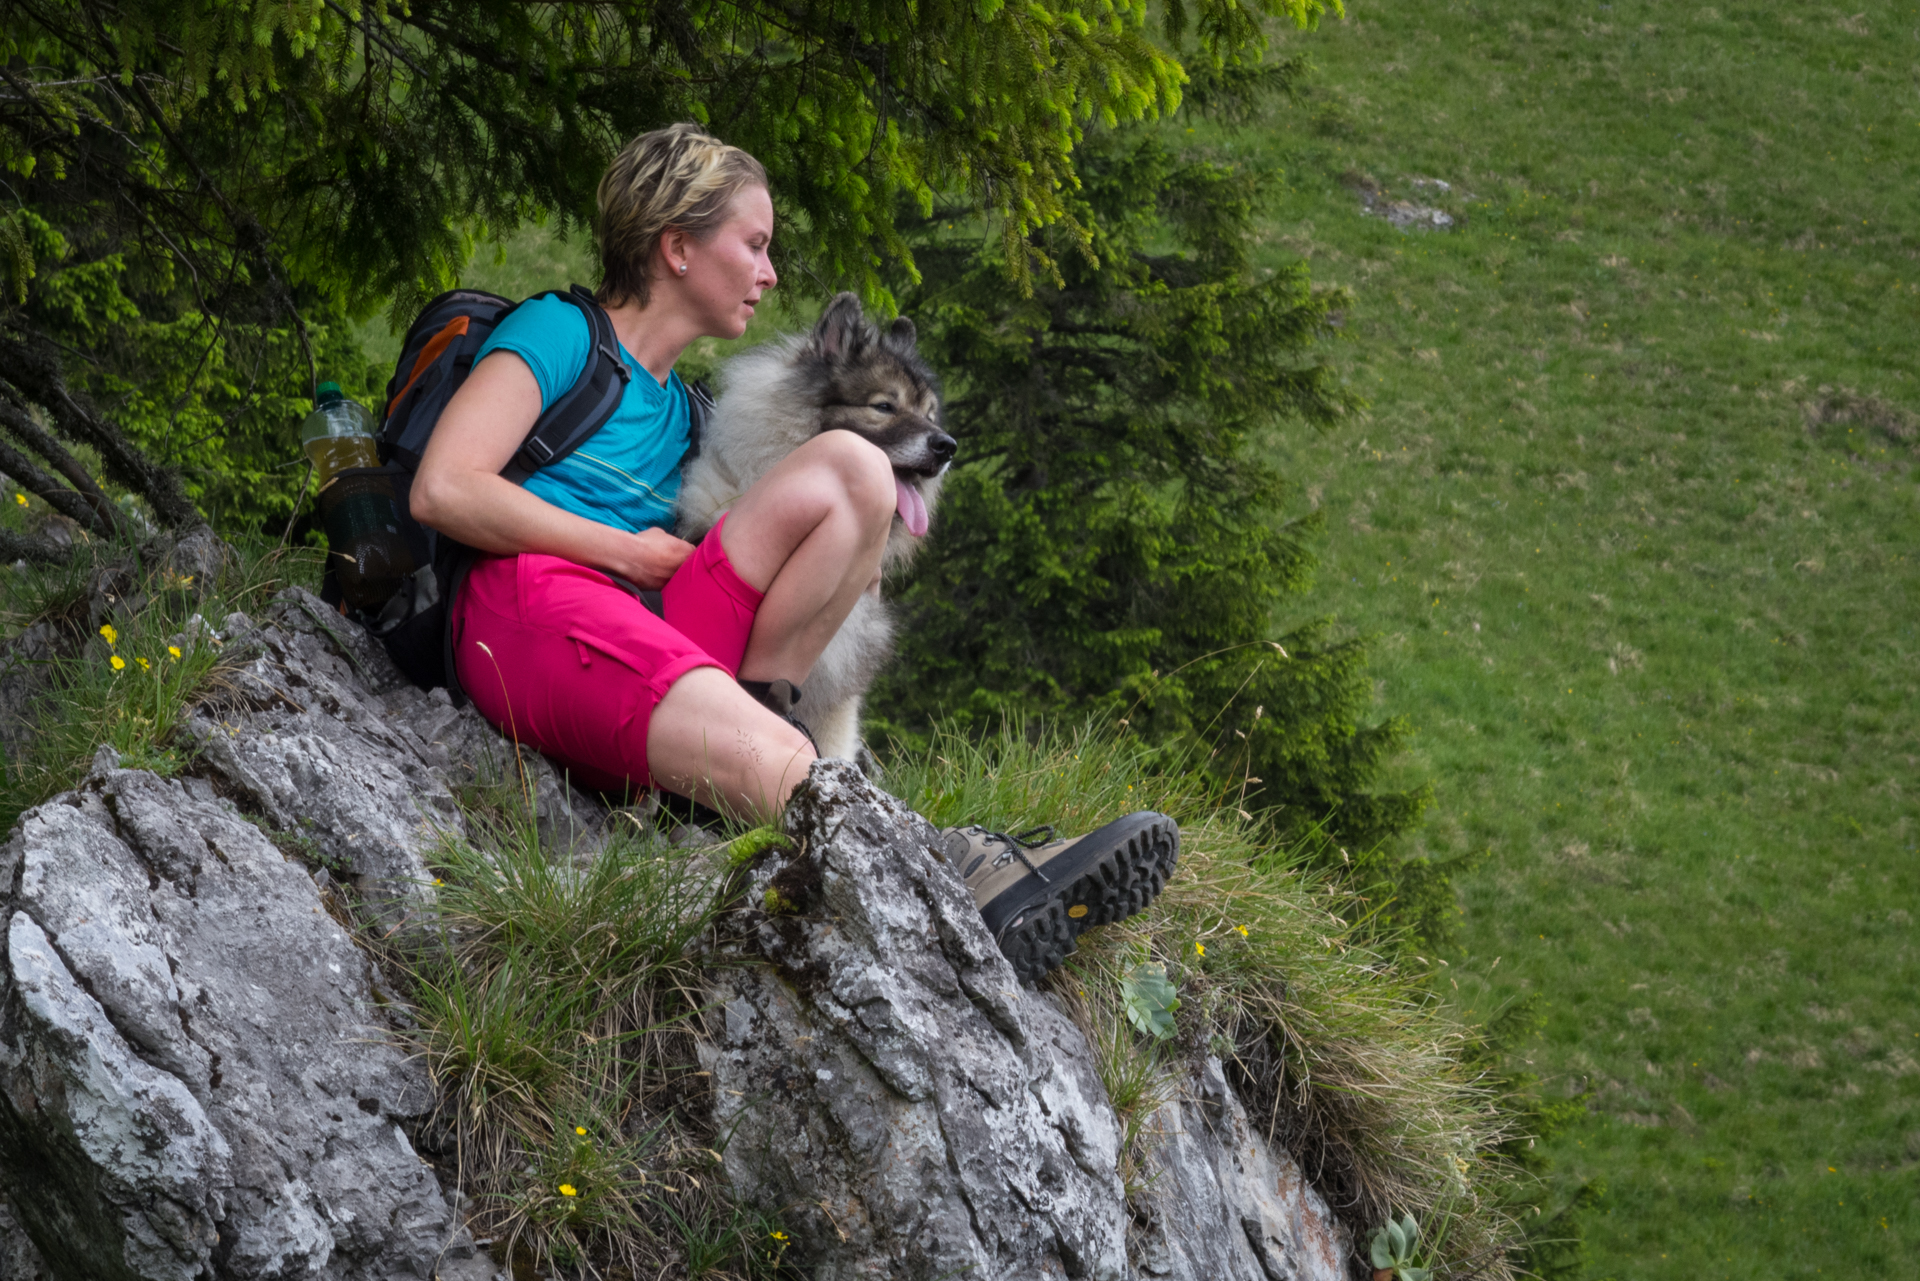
x: 105, y: 517
x: 37, y: 374
x: 253, y: 239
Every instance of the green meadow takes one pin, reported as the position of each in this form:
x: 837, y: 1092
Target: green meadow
x: 1633, y: 513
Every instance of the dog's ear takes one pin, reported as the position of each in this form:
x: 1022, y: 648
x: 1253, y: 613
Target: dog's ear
x: 843, y: 331
x: 901, y: 335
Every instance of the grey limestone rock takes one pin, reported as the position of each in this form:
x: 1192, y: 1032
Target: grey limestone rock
x: 198, y: 1081
x: 19, y: 1259
x: 327, y: 740
x: 910, y: 1110
x: 1223, y: 1204
x: 887, y: 1083
x: 196, y: 1078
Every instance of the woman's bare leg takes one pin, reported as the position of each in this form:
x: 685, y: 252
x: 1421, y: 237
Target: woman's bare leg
x: 710, y: 740
x: 809, y: 535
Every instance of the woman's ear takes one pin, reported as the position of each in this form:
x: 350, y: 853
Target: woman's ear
x: 673, y: 252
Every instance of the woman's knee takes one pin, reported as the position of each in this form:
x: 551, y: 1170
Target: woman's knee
x: 862, y: 470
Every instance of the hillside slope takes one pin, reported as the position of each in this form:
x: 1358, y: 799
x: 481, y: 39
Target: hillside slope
x: 1634, y: 512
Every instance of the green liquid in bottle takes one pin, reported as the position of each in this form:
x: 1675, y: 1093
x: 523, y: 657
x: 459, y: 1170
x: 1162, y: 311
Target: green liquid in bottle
x: 334, y: 454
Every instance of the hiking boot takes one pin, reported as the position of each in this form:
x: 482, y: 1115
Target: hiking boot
x: 1038, y: 894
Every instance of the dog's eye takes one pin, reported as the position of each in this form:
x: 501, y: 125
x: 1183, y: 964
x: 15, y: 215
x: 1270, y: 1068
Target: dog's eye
x: 884, y: 406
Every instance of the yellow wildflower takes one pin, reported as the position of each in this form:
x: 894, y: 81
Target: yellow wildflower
x: 1242, y: 929
x: 118, y: 662
x: 567, y: 1189
x: 1199, y: 949
x: 144, y: 664
x: 21, y: 499
x: 779, y: 1236
x: 175, y: 651
x: 580, y: 1130
x: 113, y: 637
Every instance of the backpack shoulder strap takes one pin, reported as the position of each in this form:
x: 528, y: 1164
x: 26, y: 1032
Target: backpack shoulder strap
x: 699, y: 410
x: 584, y: 409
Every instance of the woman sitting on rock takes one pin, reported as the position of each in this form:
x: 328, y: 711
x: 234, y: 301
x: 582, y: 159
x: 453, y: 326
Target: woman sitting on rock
x: 559, y: 656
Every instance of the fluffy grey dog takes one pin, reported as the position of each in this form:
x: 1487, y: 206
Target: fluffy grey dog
x: 846, y: 375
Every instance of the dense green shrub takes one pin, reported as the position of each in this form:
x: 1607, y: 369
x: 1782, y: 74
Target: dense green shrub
x: 1113, y: 537
x: 211, y: 388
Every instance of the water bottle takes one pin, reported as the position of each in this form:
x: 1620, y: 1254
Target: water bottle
x: 358, y: 510
x: 338, y: 434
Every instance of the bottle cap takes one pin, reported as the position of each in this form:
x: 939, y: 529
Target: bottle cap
x: 328, y: 392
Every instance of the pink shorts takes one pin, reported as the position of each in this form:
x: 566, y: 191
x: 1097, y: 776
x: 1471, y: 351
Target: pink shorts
x: 559, y: 658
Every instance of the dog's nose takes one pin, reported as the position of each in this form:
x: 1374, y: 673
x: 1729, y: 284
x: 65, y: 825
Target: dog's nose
x: 943, y: 447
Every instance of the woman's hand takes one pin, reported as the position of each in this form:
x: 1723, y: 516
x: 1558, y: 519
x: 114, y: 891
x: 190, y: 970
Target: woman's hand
x: 654, y: 555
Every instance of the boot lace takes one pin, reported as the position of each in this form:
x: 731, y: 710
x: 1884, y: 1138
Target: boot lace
x: 1018, y: 843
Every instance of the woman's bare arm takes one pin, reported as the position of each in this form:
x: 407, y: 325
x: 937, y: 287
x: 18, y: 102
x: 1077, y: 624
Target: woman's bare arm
x: 459, y: 491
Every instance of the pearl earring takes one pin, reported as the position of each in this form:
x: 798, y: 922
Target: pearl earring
x: 683, y: 268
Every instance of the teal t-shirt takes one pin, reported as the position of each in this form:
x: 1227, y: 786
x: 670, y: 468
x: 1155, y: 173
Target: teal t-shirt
x: 628, y: 474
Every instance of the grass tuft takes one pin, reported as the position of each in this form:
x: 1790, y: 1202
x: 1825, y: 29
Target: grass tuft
x: 118, y: 658
x: 556, y: 1011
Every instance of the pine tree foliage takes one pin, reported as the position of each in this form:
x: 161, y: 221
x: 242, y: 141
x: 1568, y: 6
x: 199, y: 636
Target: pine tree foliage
x: 1112, y: 537
x: 222, y: 184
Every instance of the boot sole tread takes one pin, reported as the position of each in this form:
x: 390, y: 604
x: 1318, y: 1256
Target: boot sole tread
x: 1119, y: 884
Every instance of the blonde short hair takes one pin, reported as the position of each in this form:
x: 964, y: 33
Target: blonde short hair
x: 677, y: 177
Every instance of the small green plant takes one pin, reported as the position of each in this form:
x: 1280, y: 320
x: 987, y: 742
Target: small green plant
x: 1137, y: 1080
x: 56, y: 593
x: 1393, y: 1249
x: 1150, y: 999
x: 130, y: 679
x: 749, y: 845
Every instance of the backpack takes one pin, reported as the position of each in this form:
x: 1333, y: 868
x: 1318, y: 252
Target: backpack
x: 414, y: 625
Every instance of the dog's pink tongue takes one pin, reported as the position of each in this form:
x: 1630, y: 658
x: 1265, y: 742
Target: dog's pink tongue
x: 911, y: 506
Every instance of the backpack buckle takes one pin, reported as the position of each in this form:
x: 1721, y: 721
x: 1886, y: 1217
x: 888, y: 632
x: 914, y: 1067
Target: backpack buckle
x: 619, y: 365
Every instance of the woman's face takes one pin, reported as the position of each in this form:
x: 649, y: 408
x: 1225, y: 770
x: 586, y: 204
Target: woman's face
x: 727, y: 272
